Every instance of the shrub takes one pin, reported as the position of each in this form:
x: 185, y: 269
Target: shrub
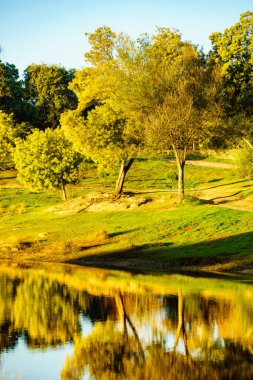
x: 172, y: 178
x: 17, y: 208
x: 244, y: 160
x: 46, y: 160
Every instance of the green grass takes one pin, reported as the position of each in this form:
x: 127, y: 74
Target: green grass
x: 153, y: 174
x: 217, y: 158
x: 150, y: 174
x: 185, y: 232
x: 160, y: 232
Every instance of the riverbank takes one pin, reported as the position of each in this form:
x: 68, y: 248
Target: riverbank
x: 158, y: 235
x: 144, y: 230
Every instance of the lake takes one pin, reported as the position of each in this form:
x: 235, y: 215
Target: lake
x: 67, y: 322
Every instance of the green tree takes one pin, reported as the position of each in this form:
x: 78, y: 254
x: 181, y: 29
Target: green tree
x: 232, y: 52
x: 133, y: 84
x: 7, y: 136
x: 184, y: 107
x: 244, y: 159
x: 103, y: 127
x: 101, y: 137
x: 179, y: 123
x: 232, y: 49
x: 13, y: 97
x: 46, y: 160
x: 47, y: 88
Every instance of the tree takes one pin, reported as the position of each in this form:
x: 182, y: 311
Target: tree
x: 103, y: 127
x: 178, y: 123
x: 46, y: 160
x: 232, y: 52
x: 13, y: 98
x: 185, y: 108
x: 7, y: 136
x: 47, y: 88
x: 244, y: 159
x: 232, y: 49
x: 128, y: 83
x: 101, y: 138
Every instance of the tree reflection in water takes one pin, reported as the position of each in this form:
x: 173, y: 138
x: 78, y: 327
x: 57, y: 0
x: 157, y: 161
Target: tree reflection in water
x: 173, y: 331
x: 110, y: 353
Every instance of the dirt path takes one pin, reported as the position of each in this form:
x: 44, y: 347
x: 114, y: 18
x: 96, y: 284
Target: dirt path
x: 226, y: 195
x: 210, y: 164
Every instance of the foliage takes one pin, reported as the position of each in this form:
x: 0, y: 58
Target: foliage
x: 134, y: 82
x: 172, y: 177
x: 99, y: 137
x: 47, y: 88
x: 232, y: 49
x: 7, y: 136
x: 244, y: 160
x: 232, y: 53
x: 13, y: 97
x: 46, y: 160
x: 104, y: 121
x: 186, y: 108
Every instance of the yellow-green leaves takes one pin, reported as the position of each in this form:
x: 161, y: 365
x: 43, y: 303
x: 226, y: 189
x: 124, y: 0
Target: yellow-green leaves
x: 102, y: 43
x: 233, y: 50
x: 47, y: 87
x: 46, y: 160
x: 7, y: 136
x: 100, y: 136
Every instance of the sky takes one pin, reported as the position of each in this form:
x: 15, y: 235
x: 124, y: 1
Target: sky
x: 52, y: 31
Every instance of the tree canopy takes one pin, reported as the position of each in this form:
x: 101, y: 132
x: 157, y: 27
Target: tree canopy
x: 7, y: 136
x: 46, y: 160
x: 47, y: 88
x: 232, y: 51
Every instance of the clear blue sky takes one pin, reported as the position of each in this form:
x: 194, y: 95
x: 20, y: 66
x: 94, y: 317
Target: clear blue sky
x: 52, y: 31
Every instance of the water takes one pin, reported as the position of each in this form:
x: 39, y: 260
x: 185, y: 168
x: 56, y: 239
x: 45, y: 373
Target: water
x: 66, y: 322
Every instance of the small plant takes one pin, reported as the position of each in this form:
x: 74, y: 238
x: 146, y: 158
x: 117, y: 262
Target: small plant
x: 192, y: 200
x: 17, y: 208
x: 172, y: 178
x: 99, y: 237
x: 244, y: 160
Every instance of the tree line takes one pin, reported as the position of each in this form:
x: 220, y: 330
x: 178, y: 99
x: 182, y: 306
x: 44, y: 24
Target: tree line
x: 158, y: 93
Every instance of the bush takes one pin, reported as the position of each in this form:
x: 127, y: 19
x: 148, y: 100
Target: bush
x: 172, y: 178
x: 46, y: 160
x: 192, y: 200
x: 244, y: 160
x: 17, y: 208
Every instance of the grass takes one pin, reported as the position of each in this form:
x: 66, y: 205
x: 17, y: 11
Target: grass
x: 159, y: 234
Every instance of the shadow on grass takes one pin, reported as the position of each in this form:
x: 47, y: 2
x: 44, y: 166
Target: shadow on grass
x: 122, y: 232
x: 236, y: 250
x: 224, y: 184
x: 9, y: 177
x: 215, y: 180
x: 225, y: 196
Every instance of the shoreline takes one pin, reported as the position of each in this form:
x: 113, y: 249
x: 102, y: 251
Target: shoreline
x: 138, y: 265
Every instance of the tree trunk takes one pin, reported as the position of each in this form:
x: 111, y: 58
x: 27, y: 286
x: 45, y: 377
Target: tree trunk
x: 180, y: 156
x: 125, y: 166
x: 180, y: 170
x: 127, y: 319
x: 64, y: 195
x: 180, y: 167
x: 181, y: 325
x: 179, y: 319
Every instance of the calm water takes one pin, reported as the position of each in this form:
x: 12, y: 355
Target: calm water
x: 63, y: 322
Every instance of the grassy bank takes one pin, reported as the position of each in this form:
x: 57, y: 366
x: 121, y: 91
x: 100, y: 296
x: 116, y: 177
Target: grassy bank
x: 145, y: 230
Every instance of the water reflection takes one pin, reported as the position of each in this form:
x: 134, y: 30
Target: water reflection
x: 114, y: 325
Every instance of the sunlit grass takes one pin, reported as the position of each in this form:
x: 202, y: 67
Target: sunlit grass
x: 160, y: 231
